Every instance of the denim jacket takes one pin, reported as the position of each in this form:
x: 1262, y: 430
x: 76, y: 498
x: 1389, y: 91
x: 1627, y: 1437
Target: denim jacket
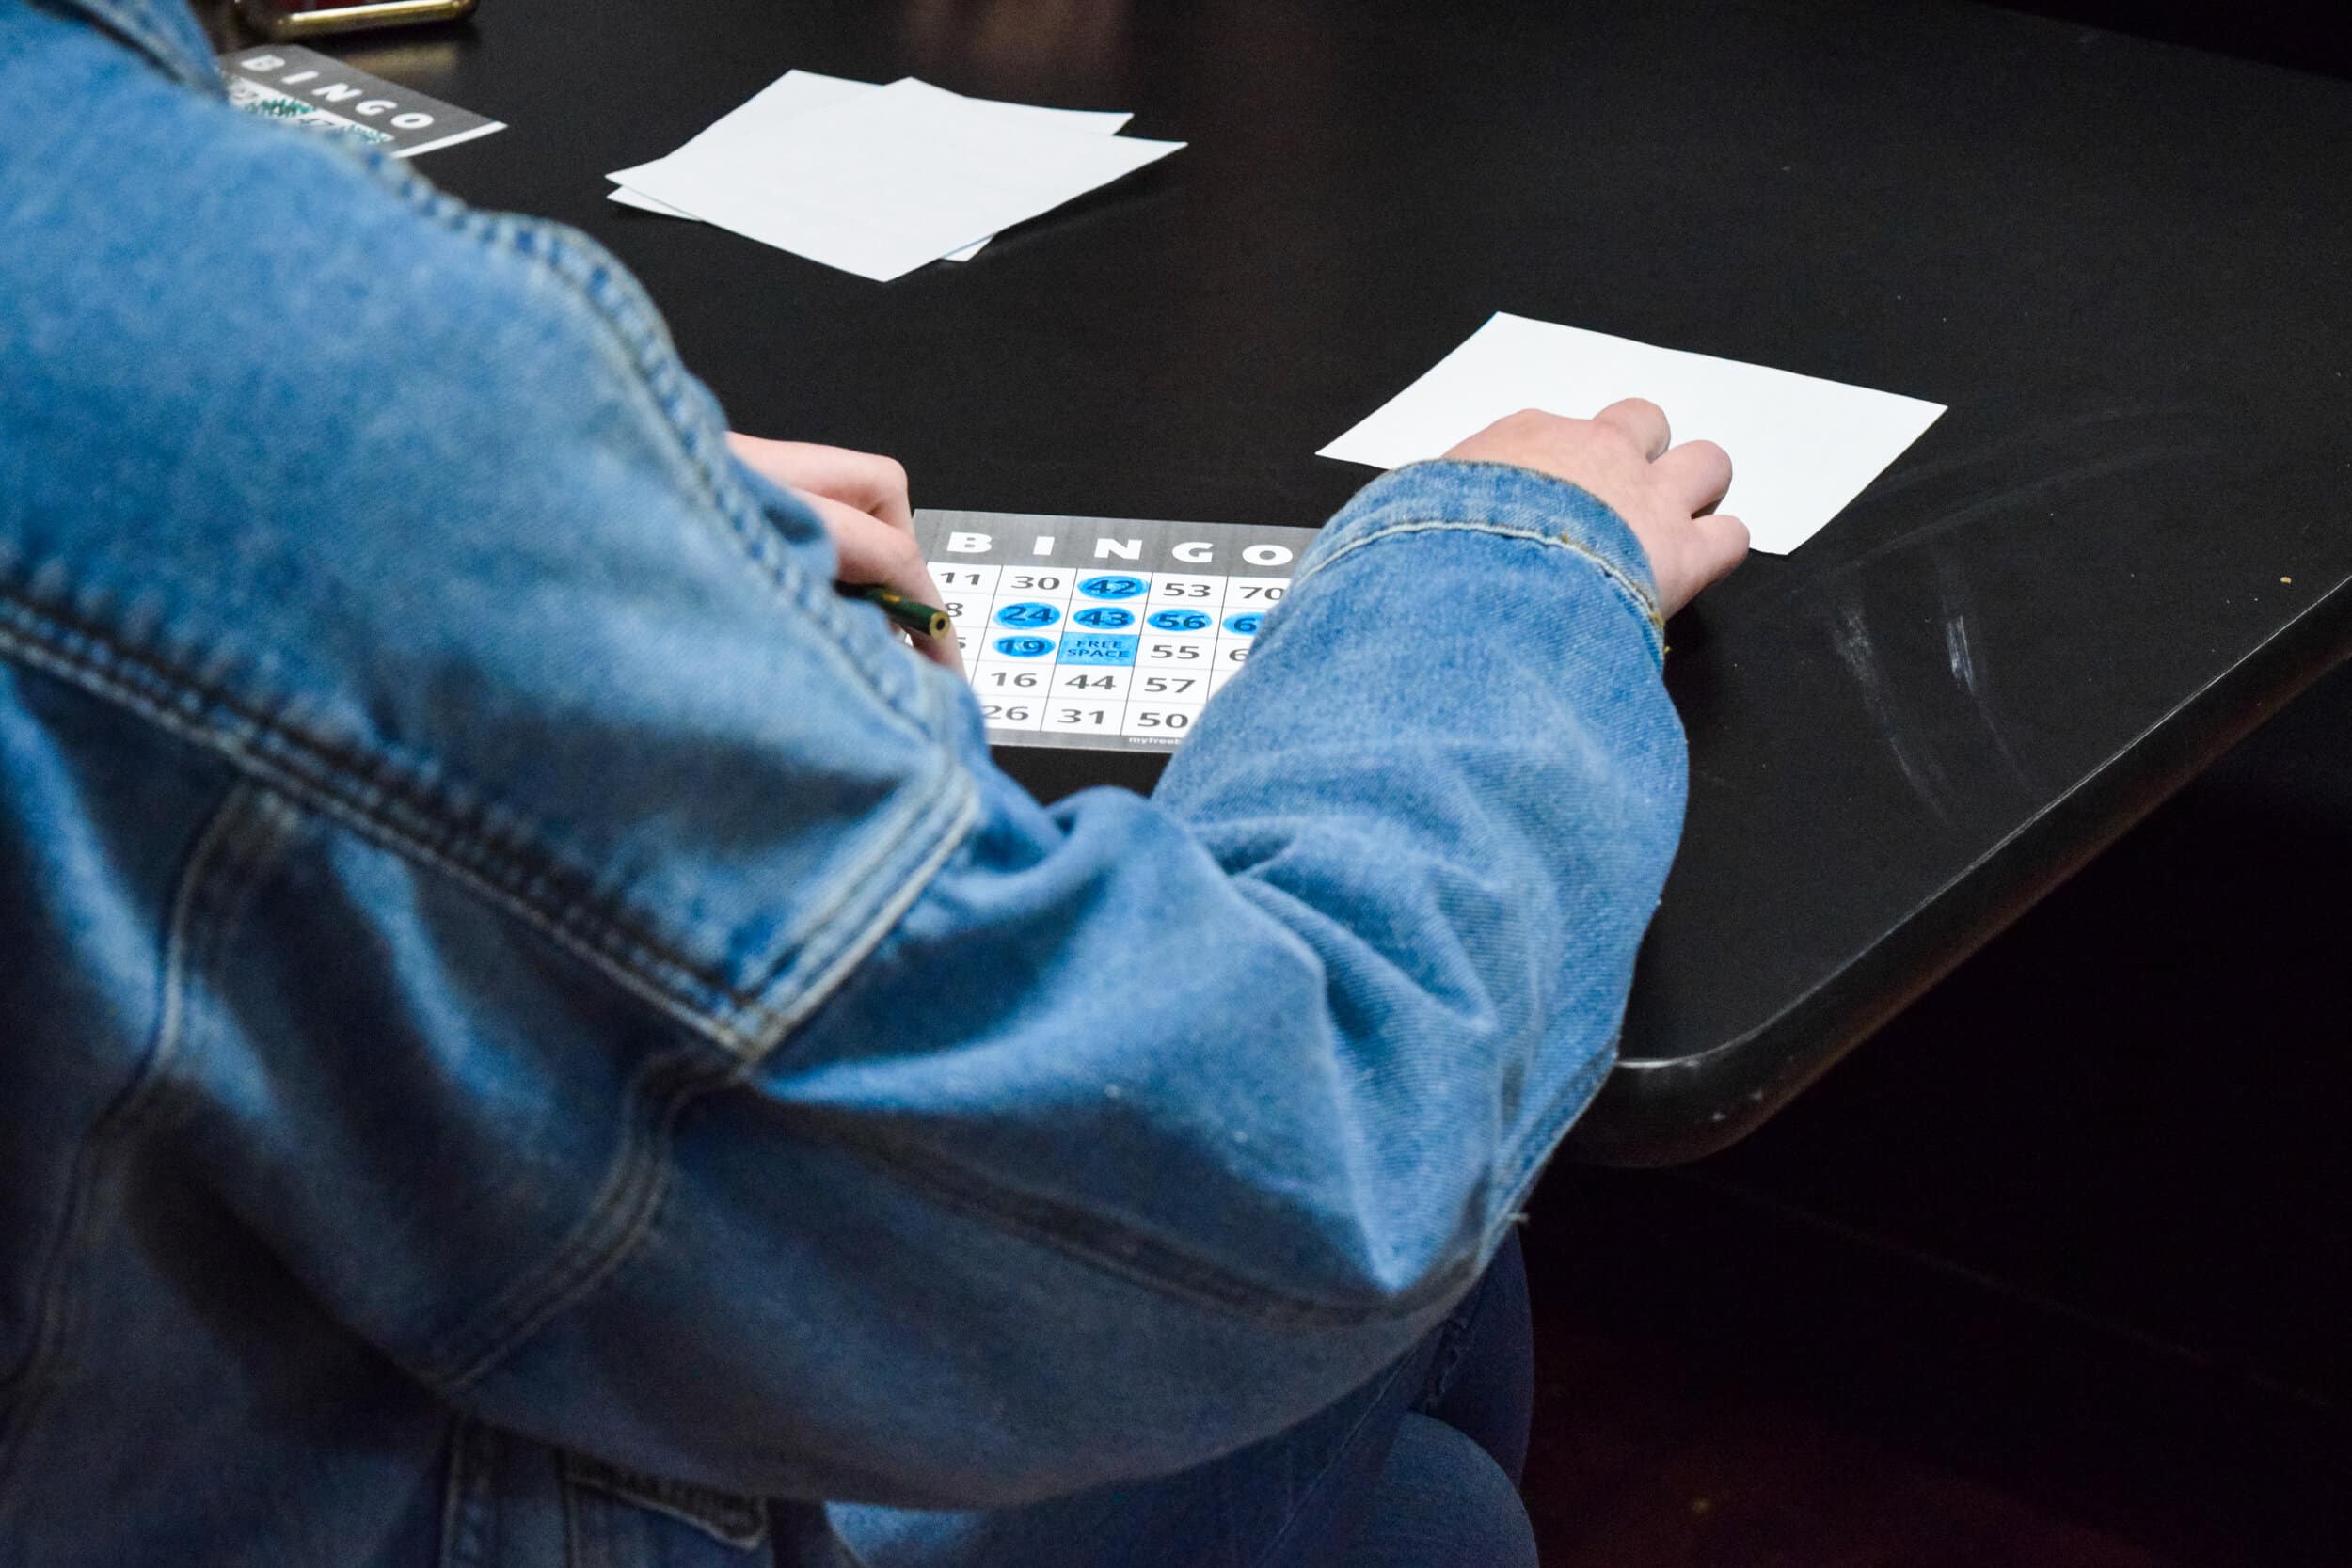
x: 531, y: 1031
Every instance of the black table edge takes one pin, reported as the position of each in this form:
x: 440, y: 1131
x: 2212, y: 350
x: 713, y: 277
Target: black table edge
x: 1654, y: 1112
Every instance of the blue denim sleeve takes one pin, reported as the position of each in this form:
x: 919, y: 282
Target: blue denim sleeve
x: 643, y: 1012
x: 1154, y: 1125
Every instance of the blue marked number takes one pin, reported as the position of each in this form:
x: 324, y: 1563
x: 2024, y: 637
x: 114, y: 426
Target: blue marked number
x: 1104, y: 617
x: 1029, y: 615
x: 1244, y: 625
x: 1024, y: 647
x: 1180, y: 620
x: 1111, y: 588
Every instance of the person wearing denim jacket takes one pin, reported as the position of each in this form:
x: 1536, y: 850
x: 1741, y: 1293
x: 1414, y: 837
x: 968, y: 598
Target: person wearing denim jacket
x: 533, y: 1030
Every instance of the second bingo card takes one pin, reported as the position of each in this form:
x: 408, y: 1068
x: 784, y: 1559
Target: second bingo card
x: 1106, y: 632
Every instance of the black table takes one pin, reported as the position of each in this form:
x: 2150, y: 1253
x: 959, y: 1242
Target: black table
x: 2122, y: 265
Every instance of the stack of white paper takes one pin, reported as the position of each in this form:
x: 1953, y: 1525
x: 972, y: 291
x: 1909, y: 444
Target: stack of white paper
x: 880, y: 180
x: 1801, y: 448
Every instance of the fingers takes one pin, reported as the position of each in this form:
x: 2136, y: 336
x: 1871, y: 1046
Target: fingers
x: 862, y: 501
x: 1640, y: 419
x: 870, y: 553
x: 1688, y: 555
x: 752, y: 450
x: 1696, y: 475
x: 870, y: 483
x: 1722, y: 545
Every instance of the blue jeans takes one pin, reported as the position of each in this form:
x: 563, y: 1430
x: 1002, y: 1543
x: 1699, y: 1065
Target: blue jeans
x: 1418, y: 1468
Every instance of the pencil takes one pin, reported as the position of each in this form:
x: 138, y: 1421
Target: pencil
x: 921, y: 619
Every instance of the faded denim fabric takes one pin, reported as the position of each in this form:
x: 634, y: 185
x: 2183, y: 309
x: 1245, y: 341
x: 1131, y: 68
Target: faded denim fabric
x: 532, y: 1032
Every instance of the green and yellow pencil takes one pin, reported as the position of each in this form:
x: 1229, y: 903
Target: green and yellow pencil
x: 921, y: 619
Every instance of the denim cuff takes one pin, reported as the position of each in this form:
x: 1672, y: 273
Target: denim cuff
x: 1498, y: 499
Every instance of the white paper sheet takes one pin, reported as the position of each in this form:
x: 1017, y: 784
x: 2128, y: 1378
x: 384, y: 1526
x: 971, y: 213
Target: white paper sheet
x: 881, y: 182
x: 1801, y: 448
x: 796, y: 92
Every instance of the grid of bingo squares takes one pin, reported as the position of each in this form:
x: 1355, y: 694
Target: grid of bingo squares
x: 1102, y: 632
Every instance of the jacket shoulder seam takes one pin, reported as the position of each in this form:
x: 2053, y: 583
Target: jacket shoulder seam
x: 384, y: 801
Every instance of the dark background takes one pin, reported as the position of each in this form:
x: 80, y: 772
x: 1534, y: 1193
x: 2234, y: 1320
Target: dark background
x: 2311, y: 35
x: 2054, y: 1270
x: 2060, y: 1250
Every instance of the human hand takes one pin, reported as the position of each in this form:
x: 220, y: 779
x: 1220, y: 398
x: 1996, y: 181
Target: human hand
x: 1666, y: 495
x: 862, y: 501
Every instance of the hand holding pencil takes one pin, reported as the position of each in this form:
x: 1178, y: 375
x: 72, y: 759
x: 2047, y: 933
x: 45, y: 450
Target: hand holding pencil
x: 915, y: 620
x: 862, y: 501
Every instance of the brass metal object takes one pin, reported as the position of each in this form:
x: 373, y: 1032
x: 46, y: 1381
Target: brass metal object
x: 279, y: 19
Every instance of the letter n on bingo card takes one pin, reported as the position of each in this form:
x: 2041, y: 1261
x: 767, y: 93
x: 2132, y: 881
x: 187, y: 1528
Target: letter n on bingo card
x: 1104, y: 632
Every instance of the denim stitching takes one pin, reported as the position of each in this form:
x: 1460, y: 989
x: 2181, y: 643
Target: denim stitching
x: 227, y: 860
x: 632, y: 1194
x: 631, y: 1200
x: 277, y: 756
x: 1523, y: 477
x: 1574, y: 1101
x: 136, y: 31
x: 730, y: 1518
x: 1116, y: 1249
x: 618, y: 1219
x: 401, y: 813
x: 466, y: 1501
x: 949, y: 818
x: 575, y: 1548
x: 582, y: 916
x: 1298, y: 1509
x: 1123, y: 1253
x: 1459, y: 1324
x: 1640, y: 602
x: 615, y: 303
x: 409, y: 783
x: 487, y: 845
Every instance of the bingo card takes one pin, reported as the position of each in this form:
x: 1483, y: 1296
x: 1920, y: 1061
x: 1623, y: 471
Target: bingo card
x: 1103, y: 632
